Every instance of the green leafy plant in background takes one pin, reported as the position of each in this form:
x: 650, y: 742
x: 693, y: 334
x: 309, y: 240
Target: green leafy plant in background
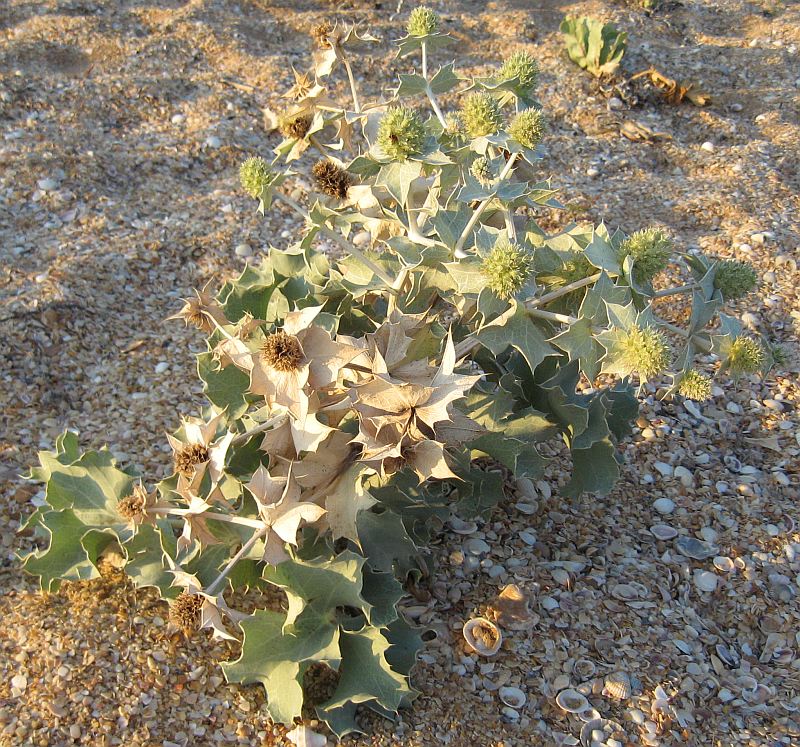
x: 593, y: 45
x: 359, y: 382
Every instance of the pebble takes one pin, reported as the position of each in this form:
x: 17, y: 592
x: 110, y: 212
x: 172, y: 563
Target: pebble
x: 685, y: 476
x: 178, y: 119
x: 664, y: 469
x: 47, y: 185
x: 161, y: 367
x: 664, y: 505
x: 19, y: 682
x: 212, y: 141
x: 708, y: 146
x: 592, y: 171
x: 243, y: 250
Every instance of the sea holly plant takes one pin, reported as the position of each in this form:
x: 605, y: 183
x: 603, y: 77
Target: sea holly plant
x: 398, y: 363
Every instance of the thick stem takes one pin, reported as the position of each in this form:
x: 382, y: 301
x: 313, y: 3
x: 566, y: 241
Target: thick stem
x: 702, y: 344
x: 553, y: 295
x: 674, y: 291
x: 236, y: 558
x: 181, y: 512
x: 260, y: 428
x: 511, y: 229
x: 552, y: 316
x: 465, y: 234
x: 431, y: 97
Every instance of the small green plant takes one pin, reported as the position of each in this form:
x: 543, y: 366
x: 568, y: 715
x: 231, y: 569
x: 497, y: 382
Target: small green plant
x: 355, y: 397
x: 593, y: 45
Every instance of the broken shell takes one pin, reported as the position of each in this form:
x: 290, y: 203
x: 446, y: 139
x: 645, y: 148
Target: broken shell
x: 747, y: 682
x: 722, y: 563
x: 705, y: 580
x: 617, y: 685
x: 302, y: 736
x: 511, y: 608
x: 571, y: 701
x: 605, y: 726
x: 482, y: 636
x: 625, y: 592
x: 694, y: 548
x: 663, y: 532
x: 758, y: 695
x: 462, y: 527
x: 770, y: 624
x: 583, y: 669
x: 605, y: 647
x: 512, y: 696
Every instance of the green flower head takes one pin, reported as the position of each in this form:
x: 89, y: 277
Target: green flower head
x: 422, y: 22
x: 507, y: 268
x: 401, y: 133
x: 734, y: 279
x: 746, y: 356
x: 645, y: 351
x: 481, y: 170
x: 650, y: 249
x: 694, y: 385
x: 254, y: 175
x: 454, y: 125
x: 528, y: 128
x: 520, y: 65
x: 481, y: 114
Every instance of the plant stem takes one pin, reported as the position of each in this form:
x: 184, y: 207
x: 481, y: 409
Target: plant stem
x: 552, y: 316
x: 241, y: 520
x: 511, y: 229
x: 674, y: 291
x: 465, y: 234
x: 431, y: 97
x: 353, y: 89
x: 341, y: 240
x: 553, y: 295
x: 260, y: 428
x: 236, y: 558
x: 704, y: 345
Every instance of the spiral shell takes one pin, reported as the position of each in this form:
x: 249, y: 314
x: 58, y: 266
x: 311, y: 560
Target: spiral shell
x: 482, y: 636
x: 618, y: 686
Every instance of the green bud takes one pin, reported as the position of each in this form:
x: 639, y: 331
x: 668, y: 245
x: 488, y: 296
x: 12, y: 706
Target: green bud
x: 694, y: 385
x: 481, y: 170
x: 422, y: 22
x: 401, y: 133
x: 481, y: 114
x: 645, y: 351
x: 454, y: 125
x: 746, y: 356
x: 520, y: 65
x: 528, y: 128
x: 778, y: 354
x: 734, y: 279
x: 254, y: 175
x: 651, y: 249
x: 507, y: 268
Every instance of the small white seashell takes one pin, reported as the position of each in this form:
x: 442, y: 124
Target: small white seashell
x: 705, y: 580
x: 747, y: 682
x: 724, y: 564
x: 663, y: 531
x: 571, y: 701
x: 605, y: 726
x: 618, y: 686
x: 758, y: 695
x: 462, y: 527
x: 583, y: 669
x: 625, y: 592
x: 482, y: 636
x: 302, y: 736
x: 512, y: 696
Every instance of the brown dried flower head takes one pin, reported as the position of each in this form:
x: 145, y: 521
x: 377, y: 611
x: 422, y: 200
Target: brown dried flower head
x: 296, y: 126
x: 202, y: 311
x: 133, y: 507
x: 188, y: 458
x: 320, y: 34
x: 185, y: 611
x: 283, y: 352
x: 331, y: 179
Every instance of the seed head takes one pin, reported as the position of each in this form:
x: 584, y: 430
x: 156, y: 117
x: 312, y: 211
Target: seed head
x: 401, y: 133
x: 651, y: 249
x: 507, y: 269
x: 185, y: 611
x: 778, y: 354
x: 283, y: 352
x: 734, y: 279
x: 528, y: 128
x: 296, y: 127
x: 520, y: 65
x: 746, y: 356
x: 254, y: 175
x: 188, y: 458
x: 320, y: 34
x: 481, y: 170
x: 331, y: 179
x: 645, y: 351
x: 694, y: 385
x: 133, y: 507
x: 422, y: 22
x: 481, y: 114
